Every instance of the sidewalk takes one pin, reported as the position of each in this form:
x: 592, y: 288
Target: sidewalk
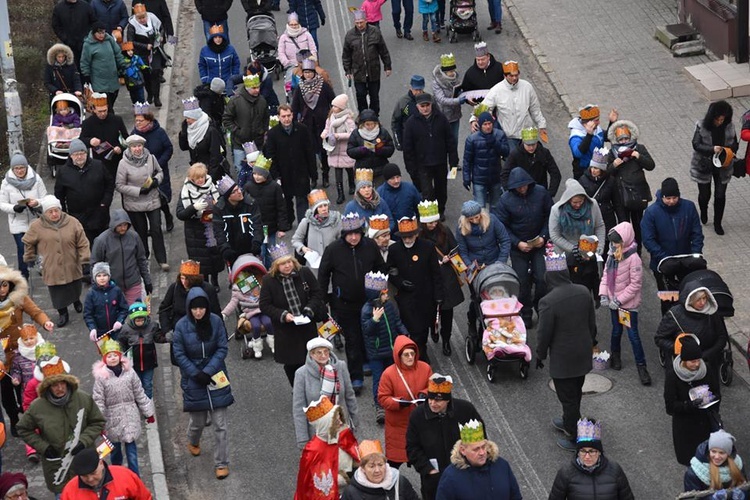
x: 597, y: 51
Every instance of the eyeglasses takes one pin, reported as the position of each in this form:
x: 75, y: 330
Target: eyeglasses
x: 590, y: 453
x: 18, y: 495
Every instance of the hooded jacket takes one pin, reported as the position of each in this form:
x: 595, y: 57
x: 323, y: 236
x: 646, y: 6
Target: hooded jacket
x: 141, y: 342
x: 159, y: 145
x: 12, y: 309
x: 103, y: 306
x: 482, y: 156
x: 62, y: 245
x: 131, y: 178
x: 494, y: 480
x: 540, y: 164
x: 11, y: 191
x: 86, y: 193
x: 172, y: 307
x: 565, y: 242
x: 392, y: 386
x: 607, y: 482
x: 582, y: 144
x: 524, y: 216
x: 601, y: 189
x: 63, y: 77
x: 124, y: 253
x: 623, y: 283
x: 363, y: 51
x: 488, y: 246
x: 443, y: 92
x: 668, y: 231
x: 101, y: 63
x: 630, y: 172
x: 218, y: 61
x: 194, y: 355
x: 246, y: 118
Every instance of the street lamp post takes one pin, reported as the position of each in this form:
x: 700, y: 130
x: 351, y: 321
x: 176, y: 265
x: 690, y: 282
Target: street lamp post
x: 13, y: 109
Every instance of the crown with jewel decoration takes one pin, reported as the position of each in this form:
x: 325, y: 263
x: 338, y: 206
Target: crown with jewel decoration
x: 251, y: 81
x: 408, y: 225
x: 279, y: 251
x: 530, y: 135
x: 428, y: 211
x: 379, y: 222
x: 589, y: 430
x: 376, y: 281
x: 225, y: 185
x: 141, y: 108
x: 318, y: 409
x: 190, y: 268
x: 555, y: 262
x: 190, y: 104
x: 471, y: 432
x: 351, y: 222
x: 363, y: 174
x: 447, y: 62
x: 263, y: 162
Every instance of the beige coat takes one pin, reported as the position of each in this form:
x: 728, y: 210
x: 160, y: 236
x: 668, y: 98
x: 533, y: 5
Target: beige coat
x: 63, y: 247
x: 130, y: 179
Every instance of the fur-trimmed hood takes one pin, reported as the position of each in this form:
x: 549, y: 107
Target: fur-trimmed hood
x: 99, y: 368
x: 20, y: 285
x: 60, y: 47
x: 631, y: 126
x: 460, y: 461
x: 45, y: 384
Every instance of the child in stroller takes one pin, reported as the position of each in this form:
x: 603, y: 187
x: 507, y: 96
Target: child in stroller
x: 65, y: 116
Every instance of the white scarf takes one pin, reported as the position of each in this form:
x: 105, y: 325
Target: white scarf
x: 390, y: 480
x: 197, y: 130
x: 294, y: 33
x: 191, y: 192
x: 338, y: 120
x: 30, y: 352
x: 369, y: 135
x: 151, y: 29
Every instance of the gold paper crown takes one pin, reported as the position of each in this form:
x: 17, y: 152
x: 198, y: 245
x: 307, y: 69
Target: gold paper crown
x: 316, y: 196
x: 126, y: 46
x: 442, y: 384
x: 139, y: 8
x: 363, y: 174
x: 251, y: 81
x: 368, y: 447
x: 45, y: 350
x: 55, y: 367
x: 110, y: 345
x: 471, y: 432
x: 263, y: 162
x: 408, y: 225
x: 589, y: 112
x: 318, y: 409
x: 61, y: 105
x: 428, y: 211
x: 530, y: 134
x: 479, y: 109
x: 510, y: 67
x: 379, y: 222
x: 216, y: 29
x: 190, y: 268
x: 28, y: 331
x: 98, y: 99
x: 448, y: 60
x: 622, y: 131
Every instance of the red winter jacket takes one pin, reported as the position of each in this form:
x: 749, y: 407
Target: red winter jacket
x: 119, y: 482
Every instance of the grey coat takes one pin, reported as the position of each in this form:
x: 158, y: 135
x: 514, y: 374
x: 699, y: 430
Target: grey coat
x: 125, y: 254
x: 565, y: 243
x: 307, y: 384
x: 443, y: 90
x: 130, y: 178
x: 701, y: 164
x: 318, y: 234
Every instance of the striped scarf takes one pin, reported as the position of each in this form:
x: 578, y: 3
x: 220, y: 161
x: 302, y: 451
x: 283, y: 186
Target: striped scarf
x: 290, y: 293
x: 331, y: 385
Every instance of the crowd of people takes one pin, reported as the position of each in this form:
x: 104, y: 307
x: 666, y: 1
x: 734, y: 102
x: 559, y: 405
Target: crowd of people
x: 380, y: 275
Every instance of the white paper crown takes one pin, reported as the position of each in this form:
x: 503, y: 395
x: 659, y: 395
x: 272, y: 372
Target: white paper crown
x: 376, y: 281
x: 600, y: 157
x: 190, y: 104
x: 351, y: 222
x: 555, y: 262
x: 589, y: 431
x: 249, y: 147
x: 279, y: 251
x: 141, y: 108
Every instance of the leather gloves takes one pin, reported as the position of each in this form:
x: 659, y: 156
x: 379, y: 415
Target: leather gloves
x: 149, y: 288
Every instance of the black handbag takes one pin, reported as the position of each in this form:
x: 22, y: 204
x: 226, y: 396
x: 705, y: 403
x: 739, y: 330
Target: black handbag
x: 635, y: 196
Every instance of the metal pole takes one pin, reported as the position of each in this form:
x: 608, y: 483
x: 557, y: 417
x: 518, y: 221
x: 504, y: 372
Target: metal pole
x: 13, y: 109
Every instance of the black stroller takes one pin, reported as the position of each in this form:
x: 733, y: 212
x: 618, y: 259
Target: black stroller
x: 263, y: 42
x: 463, y: 20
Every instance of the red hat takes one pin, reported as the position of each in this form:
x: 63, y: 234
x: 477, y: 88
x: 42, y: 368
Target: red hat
x: 10, y: 479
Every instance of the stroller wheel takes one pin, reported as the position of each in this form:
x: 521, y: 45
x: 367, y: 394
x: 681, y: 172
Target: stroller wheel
x: 524, y: 372
x: 470, y: 350
x: 490, y: 373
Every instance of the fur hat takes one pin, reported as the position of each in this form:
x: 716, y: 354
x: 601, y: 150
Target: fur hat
x: 101, y: 268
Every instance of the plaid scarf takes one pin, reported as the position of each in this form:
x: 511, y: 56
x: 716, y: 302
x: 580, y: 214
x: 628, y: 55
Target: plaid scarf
x: 331, y: 385
x: 290, y: 292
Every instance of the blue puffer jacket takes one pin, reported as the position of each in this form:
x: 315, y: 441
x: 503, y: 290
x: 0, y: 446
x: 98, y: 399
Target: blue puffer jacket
x: 402, y: 201
x: 365, y: 214
x: 668, y: 231
x: 581, y: 144
x: 379, y: 336
x: 103, y: 306
x: 159, y: 145
x: 308, y: 12
x: 214, y: 63
x: 488, y: 247
x: 482, y: 154
x: 524, y: 216
x: 193, y: 355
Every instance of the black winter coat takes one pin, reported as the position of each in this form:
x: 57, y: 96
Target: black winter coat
x: 602, y: 189
x: 290, y: 339
x: 210, y: 102
x: 356, y: 491
x: 72, y: 22
x: 524, y: 216
x: 540, y: 165
x: 159, y: 9
x: 483, y: 79
x: 452, y: 293
x: 362, y: 53
x: 607, y: 482
x: 172, y: 307
x: 65, y: 78
x: 630, y: 173
x: 213, y: 10
x: 428, y: 141
x: 208, y: 151
x: 313, y: 119
x: 141, y: 342
x: 429, y: 436
x: 365, y: 158
x: 270, y: 198
x: 110, y: 130
x: 293, y: 159
x: 237, y: 229
x: 159, y: 145
x: 86, y: 193
x: 344, y: 268
x: 196, y: 242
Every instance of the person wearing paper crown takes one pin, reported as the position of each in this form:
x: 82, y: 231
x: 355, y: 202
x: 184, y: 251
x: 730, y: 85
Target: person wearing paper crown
x: 202, y: 138
x: 716, y: 465
x: 139, y: 335
x: 569, y: 340
x: 101, y: 132
x: 344, y: 265
x: 367, y: 201
x: 119, y: 395
x: 236, y: 222
x: 320, y: 227
x: 483, y: 153
x: 62, y: 421
x: 328, y: 458
x: 434, y: 430
x: 375, y: 476
x: 22, y: 369
x: 476, y: 469
x: 147, y: 33
x: 200, y: 348
x: 445, y: 81
x: 591, y: 474
x: 381, y: 326
x: 105, y: 307
x: 218, y: 59
x: 294, y: 38
x: 246, y: 117
x: 586, y: 135
x: 485, y: 73
x: 537, y: 160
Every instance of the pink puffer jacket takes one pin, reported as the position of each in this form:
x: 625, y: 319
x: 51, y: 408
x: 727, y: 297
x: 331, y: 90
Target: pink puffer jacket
x: 628, y: 273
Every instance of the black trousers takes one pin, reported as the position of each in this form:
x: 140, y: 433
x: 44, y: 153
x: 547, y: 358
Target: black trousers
x: 430, y: 486
x: 446, y: 326
x: 365, y: 89
x: 351, y: 324
x: 569, y: 392
x: 12, y: 398
x: 91, y: 235
x: 289, y: 371
x: 145, y: 222
x: 433, y: 182
x: 634, y: 217
x: 720, y: 196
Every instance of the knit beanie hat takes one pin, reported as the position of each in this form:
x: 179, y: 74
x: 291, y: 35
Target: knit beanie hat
x: 471, y: 208
x: 721, y: 440
x: 10, y: 479
x: 19, y: 159
x: 217, y: 85
x: 391, y: 170
x: 486, y: 116
x: 341, y: 101
x: 101, y: 268
x: 50, y: 201
x: 77, y: 145
x: 137, y: 310
x: 669, y: 187
x: 690, y: 349
x: 199, y: 301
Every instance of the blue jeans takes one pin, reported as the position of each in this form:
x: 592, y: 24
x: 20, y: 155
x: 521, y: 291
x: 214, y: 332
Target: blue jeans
x: 432, y: 19
x: 635, y: 340
x: 19, y: 253
x: 314, y: 35
x: 137, y: 94
x: 378, y: 366
x: 207, y: 26
x: 239, y: 156
x: 484, y: 194
x: 454, y: 129
x: 521, y: 263
x: 147, y: 381
x: 496, y: 11
x: 408, y: 14
x: 131, y: 451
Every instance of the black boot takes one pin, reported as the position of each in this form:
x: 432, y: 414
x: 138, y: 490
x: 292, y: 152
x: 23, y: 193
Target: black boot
x: 350, y: 178
x: 615, y: 362
x: 64, y: 318
x: 704, y: 213
x: 339, y: 193
x: 167, y: 214
x: 78, y: 306
x: 447, y: 351
x: 719, y: 204
x: 644, y: 375
x: 324, y: 169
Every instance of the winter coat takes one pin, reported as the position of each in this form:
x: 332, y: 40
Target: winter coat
x: 540, y: 165
x: 72, y: 22
x: 291, y: 339
x: 452, y: 293
x: 401, y: 201
x: 160, y: 9
x: 209, y: 150
x: 143, y: 36
x: 582, y: 144
x: 427, y: 7
x: 516, y: 106
x: 86, y: 193
x: 607, y: 482
x: 269, y: 197
x: 213, y: 10
x: 22, y: 367
x: 371, y: 8
x: 338, y: 157
x: 630, y: 173
x: 289, y: 46
x: 363, y: 51
x: 668, y: 231
x: 65, y: 77
x: 430, y: 437
x: 697, y: 477
x: 131, y: 178
x: 494, y: 480
x: 17, y: 303
x: 237, y: 228
x: 112, y: 13
x: 246, y: 119
x: 309, y: 12
x: 701, y: 164
x: 353, y: 206
x: 401, y: 488
x: 491, y: 245
x: 602, y: 189
x: 429, y: 142
x: 392, y: 386
x: 254, y: 7
x: 63, y: 246
x: 220, y: 61
x: 524, y: 216
x: 140, y: 341
x: 379, y: 336
x: 118, y: 482
x: 104, y: 306
x: 317, y: 235
x: 121, y: 401
x: 101, y: 63
x: 443, y: 92
x: 111, y: 129
x: 172, y: 308
x: 125, y: 253
x: 313, y: 118
x: 45, y: 425
x: 194, y: 355
x: 482, y: 157
x: 293, y: 159
x: 405, y: 108
x: 10, y: 194
x: 483, y: 79
x: 159, y: 145
x: 566, y: 242
x: 627, y: 279
x: 344, y: 268
x: 211, y: 103
x: 308, y: 381
x: 365, y: 158
x: 569, y: 338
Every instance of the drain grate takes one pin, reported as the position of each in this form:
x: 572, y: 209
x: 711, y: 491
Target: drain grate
x: 594, y: 384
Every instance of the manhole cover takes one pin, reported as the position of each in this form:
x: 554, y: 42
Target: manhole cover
x: 594, y: 384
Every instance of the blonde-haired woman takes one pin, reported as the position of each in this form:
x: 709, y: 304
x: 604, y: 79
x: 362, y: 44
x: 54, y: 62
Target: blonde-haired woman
x: 197, y: 198
x: 288, y: 294
x: 716, y: 464
x: 481, y: 236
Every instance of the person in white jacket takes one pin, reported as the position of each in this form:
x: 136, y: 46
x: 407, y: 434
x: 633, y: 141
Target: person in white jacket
x: 20, y: 192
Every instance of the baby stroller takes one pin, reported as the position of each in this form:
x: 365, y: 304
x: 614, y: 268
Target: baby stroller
x: 263, y: 42
x: 59, y: 138
x: 247, y: 271
x: 495, y: 311
x: 463, y: 20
